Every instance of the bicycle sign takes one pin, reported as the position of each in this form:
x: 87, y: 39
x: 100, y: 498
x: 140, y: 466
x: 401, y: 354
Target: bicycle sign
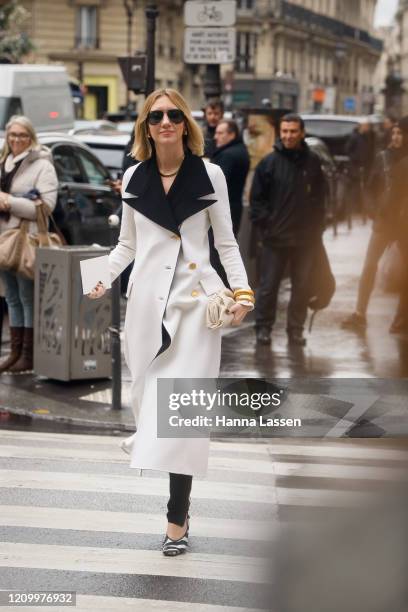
x: 220, y: 13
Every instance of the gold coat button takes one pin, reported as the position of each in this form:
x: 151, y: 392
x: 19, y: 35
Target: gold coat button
x: 192, y: 266
x: 194, y: 293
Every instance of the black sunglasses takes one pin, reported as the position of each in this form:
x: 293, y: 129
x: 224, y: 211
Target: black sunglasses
x: 175, y: 115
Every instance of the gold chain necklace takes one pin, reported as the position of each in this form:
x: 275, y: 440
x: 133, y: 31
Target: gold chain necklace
x: 173, y: 173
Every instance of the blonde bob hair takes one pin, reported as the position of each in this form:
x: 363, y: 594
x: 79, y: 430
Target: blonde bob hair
x: 25, y: 123
x: 143, y: 146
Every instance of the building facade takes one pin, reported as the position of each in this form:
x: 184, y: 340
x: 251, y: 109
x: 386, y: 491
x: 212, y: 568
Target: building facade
x: 88, y: 36
x: 309, y: 55
x: 402, y: 64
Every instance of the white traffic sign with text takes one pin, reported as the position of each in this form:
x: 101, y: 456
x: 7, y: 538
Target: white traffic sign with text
x: 209, y: 45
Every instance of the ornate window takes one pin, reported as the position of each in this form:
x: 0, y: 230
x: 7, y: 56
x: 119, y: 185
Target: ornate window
x: 86, y: 32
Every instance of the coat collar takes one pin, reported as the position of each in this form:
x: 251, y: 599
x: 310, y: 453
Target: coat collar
x: 229, y: 145
x: 182, y: 201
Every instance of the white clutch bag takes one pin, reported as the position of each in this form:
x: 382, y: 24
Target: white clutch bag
x: 218, y: 306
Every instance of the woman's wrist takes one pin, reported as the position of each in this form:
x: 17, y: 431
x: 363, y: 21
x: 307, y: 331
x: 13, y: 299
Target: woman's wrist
x: 245, y: 297
x: 5, y: 200
x: 248, y: 293
x: 246, y: 303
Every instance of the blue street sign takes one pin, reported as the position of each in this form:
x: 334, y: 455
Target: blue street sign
x: 349, y: 104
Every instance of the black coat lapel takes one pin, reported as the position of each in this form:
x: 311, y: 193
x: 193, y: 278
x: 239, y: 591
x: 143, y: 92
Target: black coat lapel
x: 150, y: 200
x: 183, y: 199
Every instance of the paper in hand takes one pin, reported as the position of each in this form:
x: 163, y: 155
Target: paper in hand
x: 94, y: 270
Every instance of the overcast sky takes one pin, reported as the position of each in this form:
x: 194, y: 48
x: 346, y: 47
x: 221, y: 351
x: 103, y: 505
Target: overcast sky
x: 385, y: 12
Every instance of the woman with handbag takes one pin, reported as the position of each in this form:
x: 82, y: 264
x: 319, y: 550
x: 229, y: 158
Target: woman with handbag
x: 170, y: 199
x: 25, y: 166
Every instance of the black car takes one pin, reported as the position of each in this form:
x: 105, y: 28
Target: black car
x: 85, y: 197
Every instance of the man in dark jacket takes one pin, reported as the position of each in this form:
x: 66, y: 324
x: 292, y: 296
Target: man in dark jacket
x: 361, y: 150
x: 287, y: 204
x: 232, y: 156
x: 213, y: 113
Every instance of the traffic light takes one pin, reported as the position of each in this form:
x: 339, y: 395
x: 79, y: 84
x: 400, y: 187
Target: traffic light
x: 134, y: 72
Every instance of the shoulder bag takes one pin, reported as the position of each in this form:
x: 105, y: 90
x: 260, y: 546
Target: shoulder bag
x: 18, y: 246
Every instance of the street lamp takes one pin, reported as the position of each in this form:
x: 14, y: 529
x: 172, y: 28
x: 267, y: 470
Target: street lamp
x: 129, y: 6
x: 151, y: 15
x: 340, y: 53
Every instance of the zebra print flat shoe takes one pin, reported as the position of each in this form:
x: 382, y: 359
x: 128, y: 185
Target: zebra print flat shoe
x: 171, y: 548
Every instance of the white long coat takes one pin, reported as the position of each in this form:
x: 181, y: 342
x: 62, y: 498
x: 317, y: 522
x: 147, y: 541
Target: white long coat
x: 165, y: 331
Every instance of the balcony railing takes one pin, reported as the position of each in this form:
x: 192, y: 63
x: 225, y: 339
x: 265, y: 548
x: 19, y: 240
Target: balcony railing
x: 298, y: 15
x: 86, y: 42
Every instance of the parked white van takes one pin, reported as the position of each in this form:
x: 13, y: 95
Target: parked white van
x: 42, y: 93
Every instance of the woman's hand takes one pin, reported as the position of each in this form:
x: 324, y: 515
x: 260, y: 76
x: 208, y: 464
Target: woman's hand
x: 4, y: 203
x: 239, y: 311
x: 97, y: 292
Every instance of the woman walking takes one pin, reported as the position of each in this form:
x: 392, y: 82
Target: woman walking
x: 24, y: 166
x: 171, y: 198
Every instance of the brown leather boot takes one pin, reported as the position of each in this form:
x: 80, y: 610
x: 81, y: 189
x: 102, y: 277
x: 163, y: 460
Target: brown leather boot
x: 16, y: 342
x: 25, y: 361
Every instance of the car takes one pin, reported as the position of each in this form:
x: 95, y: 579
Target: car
x: 109, y: 148
x: 96, y: 125
x: 334, y: 131
x: 85, y: 196
x: 125, y: 126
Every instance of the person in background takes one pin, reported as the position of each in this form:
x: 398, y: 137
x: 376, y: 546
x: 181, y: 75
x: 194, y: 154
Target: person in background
x: 288, y: 206
x: 383, y: 232
x: 386, y: 131
x: 232, y: 156
x: 361, y: 150
x: 213, y: 113
x: 399, y: 204
x: 24, y: 166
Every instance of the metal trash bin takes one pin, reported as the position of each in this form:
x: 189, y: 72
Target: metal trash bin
x: 71, y: 332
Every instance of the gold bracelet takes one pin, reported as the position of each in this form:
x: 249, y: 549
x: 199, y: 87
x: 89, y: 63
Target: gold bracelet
x: 245, y: 298
x: 243, y: 293
x: 246, y: 291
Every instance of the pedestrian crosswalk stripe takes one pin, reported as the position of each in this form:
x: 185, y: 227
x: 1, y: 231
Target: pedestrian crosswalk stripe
x: 336, y: 471
x: 138, y: 562
x: 347, y: 450
x: 128, y: 522
x: 257, y: 466
x: 267, y: 466
x: 87, y: 603
x: 133, y: 485
x: 249, y: 446
x: 334, y: 448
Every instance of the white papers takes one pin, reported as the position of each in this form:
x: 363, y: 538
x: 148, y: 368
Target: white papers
x: 94, y: 270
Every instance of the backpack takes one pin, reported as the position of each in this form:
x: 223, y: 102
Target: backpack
x: 322, y: 283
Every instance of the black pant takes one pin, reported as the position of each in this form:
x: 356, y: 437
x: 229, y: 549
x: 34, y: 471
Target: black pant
x: 180, y: 489
x: 274, y: 261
